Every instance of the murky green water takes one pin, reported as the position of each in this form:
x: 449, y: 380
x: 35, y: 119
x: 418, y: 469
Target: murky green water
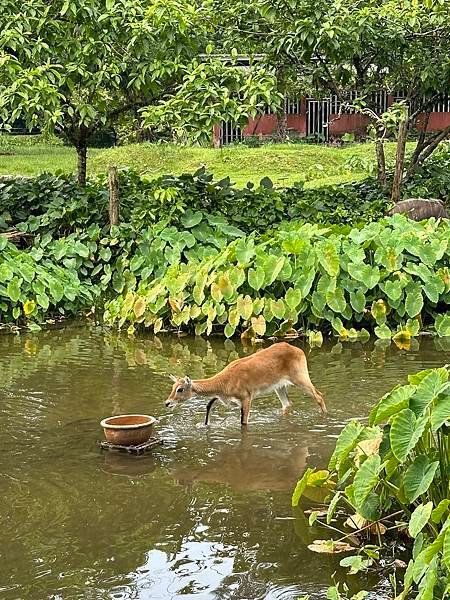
x: 208, y: 515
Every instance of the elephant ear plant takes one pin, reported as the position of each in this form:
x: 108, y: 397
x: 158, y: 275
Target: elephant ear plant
x: 392, y: 477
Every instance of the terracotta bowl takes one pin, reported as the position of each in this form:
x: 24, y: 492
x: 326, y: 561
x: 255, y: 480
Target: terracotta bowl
x: 128, y: 430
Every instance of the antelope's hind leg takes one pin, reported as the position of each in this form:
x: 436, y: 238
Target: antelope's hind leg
x: 284, y: 399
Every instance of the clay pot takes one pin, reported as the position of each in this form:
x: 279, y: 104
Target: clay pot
x: 128, y: 430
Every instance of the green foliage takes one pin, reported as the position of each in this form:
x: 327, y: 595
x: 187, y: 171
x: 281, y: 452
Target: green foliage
x: 303, y: 275
x: 402, y: 471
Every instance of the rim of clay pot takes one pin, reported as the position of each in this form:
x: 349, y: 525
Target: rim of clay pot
x: 106, y: 425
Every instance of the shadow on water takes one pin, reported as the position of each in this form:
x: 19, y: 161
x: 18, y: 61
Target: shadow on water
x: 208, y: 514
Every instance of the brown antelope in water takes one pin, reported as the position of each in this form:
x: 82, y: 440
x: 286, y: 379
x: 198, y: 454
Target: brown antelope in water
x: 270, y: 370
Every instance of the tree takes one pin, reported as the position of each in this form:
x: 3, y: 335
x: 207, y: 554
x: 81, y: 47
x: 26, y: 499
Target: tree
x: 332, y: 46
x: 75, y: 66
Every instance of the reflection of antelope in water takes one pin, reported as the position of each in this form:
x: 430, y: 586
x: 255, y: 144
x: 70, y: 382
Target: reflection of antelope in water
x: 270, y: 370
x: 249, y: 468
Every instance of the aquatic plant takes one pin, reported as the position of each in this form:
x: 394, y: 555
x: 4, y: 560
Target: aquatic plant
x: 392, y: 477
x: 390, y: 277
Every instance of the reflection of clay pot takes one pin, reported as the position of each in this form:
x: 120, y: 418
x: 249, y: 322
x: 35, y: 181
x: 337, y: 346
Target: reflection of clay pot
x: 127, y: 465
x: 128, y: 430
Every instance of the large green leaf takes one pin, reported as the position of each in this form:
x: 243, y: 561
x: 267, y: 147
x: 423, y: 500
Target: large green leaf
x: 428, y: 389
x: 366, y: 478
x: 419, y: 518
x: 13, y: 289
x: 346, y: 442
x: 358, y: 301
x: 414, y: 300
x: 293, y: 297
x: 418, y: 477
x: 245, y: 307
x: 440, y: 412
x: 336, y: 301
x: 405, y: 432
x: 301, y: 487
x: 367, y: 274
x: 391, y: 404
x: 256, y: 278
x: 328, y: 257
x: 245, y: 250
x: 446, y: 550
x: 272, y: 266
x: 442, y: 325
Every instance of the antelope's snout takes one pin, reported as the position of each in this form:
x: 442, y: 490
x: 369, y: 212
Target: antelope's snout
x: 169, y: 403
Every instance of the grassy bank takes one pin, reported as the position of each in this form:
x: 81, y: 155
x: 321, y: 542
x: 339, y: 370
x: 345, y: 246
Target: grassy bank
x: 284, y: 163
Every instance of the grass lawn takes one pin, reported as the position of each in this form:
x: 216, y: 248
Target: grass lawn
x: 284, y: 163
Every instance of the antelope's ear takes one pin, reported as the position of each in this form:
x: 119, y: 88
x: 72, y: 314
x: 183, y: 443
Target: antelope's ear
x: 188, y: 380
x: 173, y: 378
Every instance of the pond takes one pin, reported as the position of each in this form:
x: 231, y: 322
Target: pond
x: 207, y: 515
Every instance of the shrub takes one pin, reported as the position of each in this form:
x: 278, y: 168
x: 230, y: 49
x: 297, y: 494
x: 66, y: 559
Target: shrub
x: 391, y: 277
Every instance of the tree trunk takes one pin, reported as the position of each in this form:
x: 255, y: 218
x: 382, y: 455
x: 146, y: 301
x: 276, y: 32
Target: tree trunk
x: 399, y: 159
x: 381, y: 163
x: 282, y: 123
x: 113, y: 185
x: 82, y: 160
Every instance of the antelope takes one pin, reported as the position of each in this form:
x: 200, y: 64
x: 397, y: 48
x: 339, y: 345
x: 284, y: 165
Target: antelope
x: 270, y: 370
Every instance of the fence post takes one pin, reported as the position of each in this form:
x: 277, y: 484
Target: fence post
x: 113, y: 186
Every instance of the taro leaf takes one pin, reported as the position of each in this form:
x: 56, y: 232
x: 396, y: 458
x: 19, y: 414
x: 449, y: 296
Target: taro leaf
x: 233, y: 317
x: 301, y: 487
x: 393, y: 290
x: 13, y: 289
x: 139, y: 307
x: 336, y: 301
x: 27, y: 272
x: 256, y: 278
x: 366, y: 478
x: 367, y: 274
x: 318, y: 301
x: 379, y: 311
x: 216, y: 292
x: 440, y: 510
x: 419, y: 477
x: 42, y: 300
x: 245, y: 307
x: 225, y: 286
x: 346, y: 442
x: 419, y: 518
x: 391, y: 403
x: 433, y: 288
x: 236, y: 276
x: 272, y: 267
x: 383, y: 332
x: 440, y: 412
x: 446, y: 550
x: 442, y: 325
x: 245, y: 250
x: 293, y: 297
x: 191, y: 218
x: 278, y: 308
x: 293, y: 245
x: 358, y: 301
x: 305, y: 280
x: 369, y: 509
x: 428, y: 389
x: 3, y: 242
x: 28, y: 307
x: 332, y: 506
x: 405, y: 432
x: 328, y: 257
x: 414, y: 300
x: 229, y: 330
x: 259, y: 325
x: 356, y: 563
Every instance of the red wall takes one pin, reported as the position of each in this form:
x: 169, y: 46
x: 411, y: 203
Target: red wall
x: 436, y: 122
x: 340, y: 124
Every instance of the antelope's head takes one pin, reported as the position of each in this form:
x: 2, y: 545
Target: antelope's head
x: 181, y: 390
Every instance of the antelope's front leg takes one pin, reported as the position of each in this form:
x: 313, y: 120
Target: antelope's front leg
x: 245, y: 410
